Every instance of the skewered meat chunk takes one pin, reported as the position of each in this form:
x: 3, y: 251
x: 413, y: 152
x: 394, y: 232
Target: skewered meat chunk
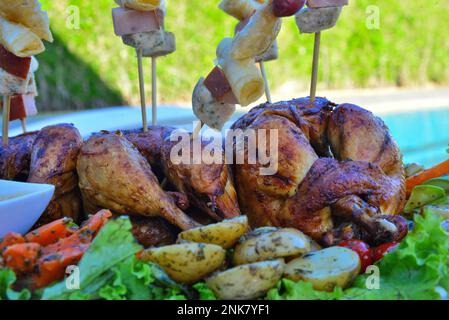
x: 16, y: 156
x: 155, y: 43
x: 128, y: 21
x: 318, y: 194
x: 53, y: 161
x: 113, y: 174
x: 318, y: 19
x: 210, y: 111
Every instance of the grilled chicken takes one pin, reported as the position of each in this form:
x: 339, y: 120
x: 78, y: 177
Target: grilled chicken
x: 16, y: 156
x: 149, y: 145
x: 113, y: 174
x: 312, y: 191
x: 208, y: 187
x: 354, y: 133
x: 53, y: 161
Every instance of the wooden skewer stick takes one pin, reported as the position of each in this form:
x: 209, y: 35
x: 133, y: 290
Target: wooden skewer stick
x: 142, y: 90
x: 6, y: 114
x: 265, y: 79
x: 154, y: 90
x: 316, y: 57
x: 24, y: 125
x: 197, y: 130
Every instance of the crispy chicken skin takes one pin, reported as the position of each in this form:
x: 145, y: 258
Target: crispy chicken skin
x: 209, y: 187
x: 113, y: 174
x: 354, y: 133
x: 262, y: 197
x: 15, y: 158
x: 326, y: 183
x: 312, y: 191
x: 149, y: 144
x: 53, y: 161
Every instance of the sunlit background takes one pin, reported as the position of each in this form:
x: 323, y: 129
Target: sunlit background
x: 89, y: 67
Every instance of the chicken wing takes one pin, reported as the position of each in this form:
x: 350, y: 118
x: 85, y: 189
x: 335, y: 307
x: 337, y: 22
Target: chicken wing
x: 53, y: 161
x: 113, y: 174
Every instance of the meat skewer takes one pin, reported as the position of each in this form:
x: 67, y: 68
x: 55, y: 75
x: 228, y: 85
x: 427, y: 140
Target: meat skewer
x: 6, y: 112
x: 243, y: 10
x: 141, y: 26
x: 236, y: 79
x: 319, y: 16
x: 23, y: 27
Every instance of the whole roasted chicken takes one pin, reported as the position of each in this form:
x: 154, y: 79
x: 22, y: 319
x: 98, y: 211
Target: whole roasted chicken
x: 340, y: 173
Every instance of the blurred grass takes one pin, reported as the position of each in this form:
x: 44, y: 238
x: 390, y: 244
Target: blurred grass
x: 91, y: 67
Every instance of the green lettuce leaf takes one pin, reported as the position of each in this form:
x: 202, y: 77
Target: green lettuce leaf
x: 110, y: 270
x: 7, y: 279
x: 113, y: 244
x: 204, y: 293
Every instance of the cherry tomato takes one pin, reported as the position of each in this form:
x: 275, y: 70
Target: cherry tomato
x: 362, y: 249
x: 380, y: 251
x: 286, y: 8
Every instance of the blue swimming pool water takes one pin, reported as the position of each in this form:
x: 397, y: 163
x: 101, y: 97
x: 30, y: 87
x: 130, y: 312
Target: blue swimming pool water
x: 422, y: 136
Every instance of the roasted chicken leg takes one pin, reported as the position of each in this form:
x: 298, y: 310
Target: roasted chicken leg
x: 113, y: 174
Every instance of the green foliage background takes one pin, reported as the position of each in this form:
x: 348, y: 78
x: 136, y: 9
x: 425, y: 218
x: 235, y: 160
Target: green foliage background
x: 90, y: 67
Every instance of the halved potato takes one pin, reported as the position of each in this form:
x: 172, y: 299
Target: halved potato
x: 187, y: 262
x: 257, y: 232
x: 325, y: 269
x: 225, y: 233
x: 314, y: 246
x: 276, y: 244
x: 249, y: 281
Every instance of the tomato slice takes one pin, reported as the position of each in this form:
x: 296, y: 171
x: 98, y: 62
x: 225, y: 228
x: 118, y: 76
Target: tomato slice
x: 362, y: 249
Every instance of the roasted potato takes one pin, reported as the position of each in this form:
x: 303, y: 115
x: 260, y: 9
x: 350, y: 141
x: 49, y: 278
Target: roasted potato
x: 225, y: 233
x: 325, y: 269
x: 188, y: 262
x: 257, y: 232
x: 271, y: 245
x: 249, y: 281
